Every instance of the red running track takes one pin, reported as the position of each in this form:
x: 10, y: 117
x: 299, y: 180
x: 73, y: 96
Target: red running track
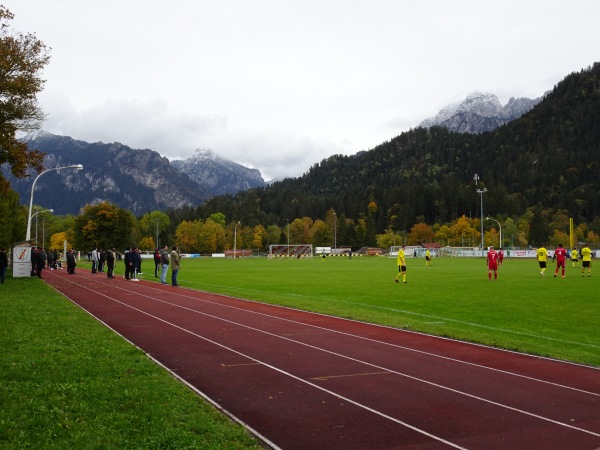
x: 308, y: 381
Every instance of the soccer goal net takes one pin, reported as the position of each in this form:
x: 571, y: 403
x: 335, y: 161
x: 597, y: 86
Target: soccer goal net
x: 291, y: 251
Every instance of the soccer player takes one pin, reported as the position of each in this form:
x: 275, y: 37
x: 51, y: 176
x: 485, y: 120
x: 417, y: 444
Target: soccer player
x: 586, y: 260
x: 542, y: 256
x: 492, y: 262
x: 401, y: 261
x: 428, y: 258
x: 561, y: 255
x: 575, y: 257
x: 500, y: 256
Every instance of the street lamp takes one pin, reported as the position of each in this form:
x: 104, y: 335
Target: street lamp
x: 500, y: 226
x: 235, y: 239
x: 157, y: 234
x: 75, y: 166
x: 288, y: 236
x: 335, y: 232
x: 481, y: 192
x: 36, y: 220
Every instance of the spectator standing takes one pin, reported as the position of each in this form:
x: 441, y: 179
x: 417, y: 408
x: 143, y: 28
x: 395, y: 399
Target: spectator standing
x: 111, y: 259
x: 164, y: 263
x: 71, y: 262
x: 101, y: 260
x: 127, y: 261
x: 95, y: 260
x: 3, y: 264
x: 136, y: 261
x: 40, y: 262
x: 175, y: 266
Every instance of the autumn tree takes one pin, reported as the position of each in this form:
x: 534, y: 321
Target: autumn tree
x: 463, y: 227
x: 57, y: 240
x: 420, y: 233
x: 154, y: 224
x: 187, y: 236
x: 22, y: 58
x: 258, y: 236
x: 105, y: 226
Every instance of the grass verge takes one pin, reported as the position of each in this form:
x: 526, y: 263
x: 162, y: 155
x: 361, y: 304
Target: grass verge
x: 68, y: 382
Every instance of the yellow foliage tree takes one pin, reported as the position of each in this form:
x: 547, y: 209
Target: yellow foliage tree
x: 57, y: 240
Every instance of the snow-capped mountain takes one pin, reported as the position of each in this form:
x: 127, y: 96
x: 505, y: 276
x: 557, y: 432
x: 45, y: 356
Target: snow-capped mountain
x: 218, y: 175
x: 138, y: 180
x: 480, y: 112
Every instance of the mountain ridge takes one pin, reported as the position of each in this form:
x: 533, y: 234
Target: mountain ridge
x: 480, y: 112
x: 140, y: 180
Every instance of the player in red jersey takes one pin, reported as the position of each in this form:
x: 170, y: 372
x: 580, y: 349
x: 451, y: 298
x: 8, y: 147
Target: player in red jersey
x: 561, y: 254
x: 492, y: 262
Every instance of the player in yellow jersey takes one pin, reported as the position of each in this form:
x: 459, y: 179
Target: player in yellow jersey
x: 586, y: 260
x: 542, y: 257
x: 428, y: 261
x: 575, y: 257
x: 401, y: 261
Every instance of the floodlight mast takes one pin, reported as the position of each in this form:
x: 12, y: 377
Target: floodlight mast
x: 481, y: 192
x: 28, y: 234
x: 235, y: 238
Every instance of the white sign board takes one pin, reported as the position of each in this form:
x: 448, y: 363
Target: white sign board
x: 21, y: 261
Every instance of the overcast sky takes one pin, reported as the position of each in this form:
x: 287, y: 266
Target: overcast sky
x: 281, y: 85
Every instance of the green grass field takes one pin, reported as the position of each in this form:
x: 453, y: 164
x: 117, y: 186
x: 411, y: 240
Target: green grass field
x: 555, y: 317
x: 67, y: 382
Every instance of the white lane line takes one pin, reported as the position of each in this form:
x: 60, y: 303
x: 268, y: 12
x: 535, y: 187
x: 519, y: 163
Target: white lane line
x: 459, y: 361
x: 456, y: 391
x: 276, y: 369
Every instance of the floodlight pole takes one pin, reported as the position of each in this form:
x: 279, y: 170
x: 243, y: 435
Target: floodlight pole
x: 28, y: 234
x: 500, y: 226
x: 335, y: 231
x: 235, y: 239
x: 157, y: 234
x: 481, y: 192
x: 36, y: 220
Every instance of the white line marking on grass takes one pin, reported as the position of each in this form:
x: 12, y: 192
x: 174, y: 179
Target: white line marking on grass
x: 404, y: 311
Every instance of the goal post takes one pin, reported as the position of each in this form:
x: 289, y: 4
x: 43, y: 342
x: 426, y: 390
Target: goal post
x: 291, y: 251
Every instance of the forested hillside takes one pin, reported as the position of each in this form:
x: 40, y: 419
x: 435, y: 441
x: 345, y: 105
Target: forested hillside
x: 549, y: 158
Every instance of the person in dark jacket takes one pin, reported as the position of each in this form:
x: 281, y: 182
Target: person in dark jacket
x: 3, y: 264
x: 127, y: 261
x: 71, y: 263
x: 156, y: 262
x: 136, y: 262
x: 111, y: 258
x: 41, y: 262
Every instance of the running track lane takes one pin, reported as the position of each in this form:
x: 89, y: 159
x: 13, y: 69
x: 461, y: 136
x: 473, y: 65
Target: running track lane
x: 302, y: 380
